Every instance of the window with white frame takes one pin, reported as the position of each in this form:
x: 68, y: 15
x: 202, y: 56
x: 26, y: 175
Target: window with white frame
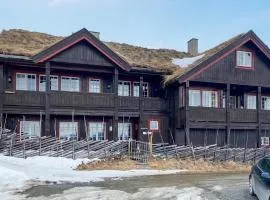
x: 70, y: 84
x: 244, y: 58
x: 97, y: 131
x: 209, y: 99
x: 154, y: 125
x: 94, y: 85
x: 30, y: 129
x: 265, y: 141
x: 265, y: 103
x: 124, y: 131
x: 26, y: 82
x: 251, y: 102
x: 136, y: 89
x: 194, y: 97
x: 123, y: 88
x: 42, y: 83
x: 68, y: 130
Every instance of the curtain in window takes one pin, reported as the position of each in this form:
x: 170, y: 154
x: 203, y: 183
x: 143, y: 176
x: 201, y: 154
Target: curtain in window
x: 251, y: 102
x: 68, y: 130
x: 194, y: 97
x: 97, y: 131
x: 124, y: 131
x: 30, y: 128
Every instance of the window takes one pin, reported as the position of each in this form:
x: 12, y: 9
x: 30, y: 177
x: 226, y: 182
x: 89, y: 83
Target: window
x: 136, y: 89
x: 251, y: 102
x: 154, y: 125
x: 266, y: 103
x: 94, y: 85
x: 42, y: 83
x: 209, y: 99
x: 244, y: 59
x: 265, y: 165
x: 70, y: 84
x: 97, y: 131
x: 68, y: 130
x: 26, y: 82
x: 124, y: 88
x: 265, y: 141
x: 30, y: 129
x: 194, y: 97
x: 124, y: 131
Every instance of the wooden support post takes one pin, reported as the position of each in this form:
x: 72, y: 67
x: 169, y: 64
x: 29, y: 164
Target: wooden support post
x: 47, y: 99
x: 1, y: 96
x: 115, y: 115
x: 187, y: 136
x: 141, y: 120
x: 228, y: 123
x: 259, y: 129
x: 150, y: 138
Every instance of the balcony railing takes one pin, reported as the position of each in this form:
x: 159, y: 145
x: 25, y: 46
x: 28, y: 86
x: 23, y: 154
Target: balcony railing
x: 243, y: 115
x: 24, y: 98
x: 81, y: 100
x: 207, y: 114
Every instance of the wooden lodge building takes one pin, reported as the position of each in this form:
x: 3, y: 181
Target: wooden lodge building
x: 79, y: 86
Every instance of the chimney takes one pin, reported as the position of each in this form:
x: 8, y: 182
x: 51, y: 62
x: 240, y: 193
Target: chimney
x: 193, y: 46
x: 96, y: 34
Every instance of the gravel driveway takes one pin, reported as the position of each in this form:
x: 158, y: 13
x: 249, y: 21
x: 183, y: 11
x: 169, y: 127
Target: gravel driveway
x: 179, y: 186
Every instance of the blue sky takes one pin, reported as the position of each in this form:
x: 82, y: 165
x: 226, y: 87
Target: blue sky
x: 150, y: 23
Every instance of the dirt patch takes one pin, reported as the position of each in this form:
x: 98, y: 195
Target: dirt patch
x: 164, y: 164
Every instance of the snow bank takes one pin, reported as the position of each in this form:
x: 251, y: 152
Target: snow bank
x: 17, y: 172
x: 185, y: 62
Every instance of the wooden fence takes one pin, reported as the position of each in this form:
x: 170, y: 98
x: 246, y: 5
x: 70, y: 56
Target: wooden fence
x: 10, y: 145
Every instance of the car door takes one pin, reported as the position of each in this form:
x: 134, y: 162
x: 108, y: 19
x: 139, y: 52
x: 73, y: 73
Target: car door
x: 257, y: 171
x: 263, y: 181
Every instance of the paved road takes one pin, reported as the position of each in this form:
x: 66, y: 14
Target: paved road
x: 185, y: 187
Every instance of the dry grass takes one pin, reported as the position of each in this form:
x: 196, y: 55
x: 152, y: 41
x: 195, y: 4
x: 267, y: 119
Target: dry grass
x: 191, y: 166
x: 27, y: 43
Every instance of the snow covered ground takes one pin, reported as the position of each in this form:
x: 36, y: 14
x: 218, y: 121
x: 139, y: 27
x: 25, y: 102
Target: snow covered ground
x: 17, y: 173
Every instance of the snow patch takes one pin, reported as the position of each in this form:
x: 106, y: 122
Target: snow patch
x: 217, y: 188
x: 185, y: 62
x: 95, y: 193
x: 16, y: 173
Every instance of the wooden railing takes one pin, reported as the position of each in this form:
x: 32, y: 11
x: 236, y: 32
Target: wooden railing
x: 207, y: 114
x: 83, y: 100
x: 132, y: 103
x: 24, y: 98
x: 154, y: 103
x: 243, y: 115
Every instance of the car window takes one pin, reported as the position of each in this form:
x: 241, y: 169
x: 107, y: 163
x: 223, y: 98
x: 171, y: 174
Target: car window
x: 265, y: 165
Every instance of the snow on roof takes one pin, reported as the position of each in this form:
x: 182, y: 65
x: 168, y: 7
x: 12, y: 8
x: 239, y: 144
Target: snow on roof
x: 185, y: 62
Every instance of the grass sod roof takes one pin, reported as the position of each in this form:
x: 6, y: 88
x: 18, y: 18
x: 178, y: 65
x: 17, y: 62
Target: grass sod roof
x: 26, y: 43
x: 207, y: 54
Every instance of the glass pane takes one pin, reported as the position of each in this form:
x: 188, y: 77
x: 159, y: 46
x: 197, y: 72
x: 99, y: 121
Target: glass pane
x: 30, y: 128
x: 194, y: 98
x: 124, y: 131
x: 97, y: 131
x: 68, y: 130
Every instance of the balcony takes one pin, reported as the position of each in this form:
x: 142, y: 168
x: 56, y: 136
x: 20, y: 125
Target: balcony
x: 81, y: 100
x: 24, y: 98
x: 243, y: 115
x: 154, y: 104
x: 204, y: 114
